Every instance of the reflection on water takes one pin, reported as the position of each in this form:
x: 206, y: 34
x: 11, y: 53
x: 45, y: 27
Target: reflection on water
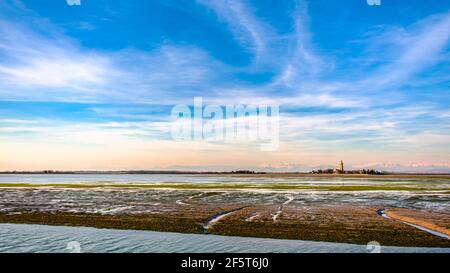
x: 38, y: 238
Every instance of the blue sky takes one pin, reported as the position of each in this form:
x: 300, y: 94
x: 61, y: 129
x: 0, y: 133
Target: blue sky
x: 92, y: 86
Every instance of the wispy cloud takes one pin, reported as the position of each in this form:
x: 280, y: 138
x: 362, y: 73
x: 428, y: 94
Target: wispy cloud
x: 31, y: 63
x: 302, y: 62
x: 407, y: 51
x: 36, y: 67
x: 248, y: 30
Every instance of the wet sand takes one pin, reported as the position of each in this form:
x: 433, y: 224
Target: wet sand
x: 423, y: 219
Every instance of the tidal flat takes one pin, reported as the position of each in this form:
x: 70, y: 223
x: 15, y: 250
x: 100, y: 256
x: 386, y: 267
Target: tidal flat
x: 329, y: 209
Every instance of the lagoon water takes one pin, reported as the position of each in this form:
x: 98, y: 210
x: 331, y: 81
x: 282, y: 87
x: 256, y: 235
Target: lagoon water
x: 39, y: 238
x: 208, y: 178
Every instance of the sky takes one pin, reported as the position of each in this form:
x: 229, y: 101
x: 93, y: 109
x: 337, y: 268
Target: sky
x: 92, y: 86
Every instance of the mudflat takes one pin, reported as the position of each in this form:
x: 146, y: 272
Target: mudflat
x: 347, y: 217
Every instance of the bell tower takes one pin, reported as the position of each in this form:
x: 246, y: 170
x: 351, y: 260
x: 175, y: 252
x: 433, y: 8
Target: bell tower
x: 341, y: 166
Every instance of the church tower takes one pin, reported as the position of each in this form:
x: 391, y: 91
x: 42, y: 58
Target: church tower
x: 341, y: 166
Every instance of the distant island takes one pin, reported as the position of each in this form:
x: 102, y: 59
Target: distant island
x: 340, y: 170
x: 131, y: 172
x: 325, y: 172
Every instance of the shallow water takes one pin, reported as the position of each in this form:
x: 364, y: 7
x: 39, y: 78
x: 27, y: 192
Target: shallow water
x: 40, y: 238
x: 204, y: 178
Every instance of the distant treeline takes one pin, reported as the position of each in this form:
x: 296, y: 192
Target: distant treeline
x: 320, y: 171
x: 131, y: 172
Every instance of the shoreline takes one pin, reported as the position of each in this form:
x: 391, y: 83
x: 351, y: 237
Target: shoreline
x: 420, y: 224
